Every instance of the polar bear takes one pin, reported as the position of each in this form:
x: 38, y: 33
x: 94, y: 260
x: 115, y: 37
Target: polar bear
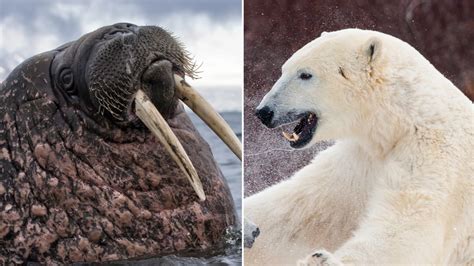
x: 397, y: 187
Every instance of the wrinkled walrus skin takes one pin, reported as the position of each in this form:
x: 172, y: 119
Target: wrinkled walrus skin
x: 79, y: 184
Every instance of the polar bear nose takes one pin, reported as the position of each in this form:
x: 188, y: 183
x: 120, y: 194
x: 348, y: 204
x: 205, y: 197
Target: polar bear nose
x: 265, y: 115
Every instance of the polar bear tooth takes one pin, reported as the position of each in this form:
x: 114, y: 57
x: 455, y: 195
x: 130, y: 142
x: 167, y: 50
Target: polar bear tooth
x: 295, y: 137
x: 287, y: 136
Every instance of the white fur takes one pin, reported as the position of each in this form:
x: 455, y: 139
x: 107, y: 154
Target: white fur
x: 397, y: 187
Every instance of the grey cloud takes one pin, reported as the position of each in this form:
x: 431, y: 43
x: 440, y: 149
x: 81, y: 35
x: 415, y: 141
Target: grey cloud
x: 38, y: 17
x: 152, y: 9
x: 27, y: 11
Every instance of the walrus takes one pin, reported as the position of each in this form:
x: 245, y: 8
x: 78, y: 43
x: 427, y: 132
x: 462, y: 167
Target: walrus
x: 99, y: 160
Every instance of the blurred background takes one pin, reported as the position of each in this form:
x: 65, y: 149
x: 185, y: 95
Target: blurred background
x: 442, y: 30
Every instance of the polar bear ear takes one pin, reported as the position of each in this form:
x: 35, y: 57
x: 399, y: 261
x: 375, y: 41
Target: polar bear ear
x: 373, y: 49
x: 323, y: 33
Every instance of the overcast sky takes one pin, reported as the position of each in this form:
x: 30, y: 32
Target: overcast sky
x: 211, y: 30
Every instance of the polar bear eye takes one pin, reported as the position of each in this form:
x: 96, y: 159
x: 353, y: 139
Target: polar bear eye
x: 305, y: 76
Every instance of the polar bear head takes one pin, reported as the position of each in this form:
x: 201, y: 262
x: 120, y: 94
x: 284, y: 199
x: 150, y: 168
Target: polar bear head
x: 333, y: 84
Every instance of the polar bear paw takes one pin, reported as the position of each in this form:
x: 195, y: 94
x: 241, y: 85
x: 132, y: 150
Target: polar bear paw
x: 320, y: 257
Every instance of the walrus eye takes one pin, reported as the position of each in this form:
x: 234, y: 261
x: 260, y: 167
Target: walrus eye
x: 66, y: 80
x: 305, y: 76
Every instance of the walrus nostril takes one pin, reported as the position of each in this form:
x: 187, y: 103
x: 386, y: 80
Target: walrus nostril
x: 125, y: 27
x: 256, y: 232
x: 265, y: 115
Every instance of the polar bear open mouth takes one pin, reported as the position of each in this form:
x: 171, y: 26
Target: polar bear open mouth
x: 303, y: 132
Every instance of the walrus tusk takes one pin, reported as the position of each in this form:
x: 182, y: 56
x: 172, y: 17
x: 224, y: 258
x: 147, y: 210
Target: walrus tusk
x: 155, y: 122
x: 205, y: 111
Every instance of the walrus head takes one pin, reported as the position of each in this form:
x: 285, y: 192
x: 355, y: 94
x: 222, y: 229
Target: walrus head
x: 126, y: 74
x: 103, y: 70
